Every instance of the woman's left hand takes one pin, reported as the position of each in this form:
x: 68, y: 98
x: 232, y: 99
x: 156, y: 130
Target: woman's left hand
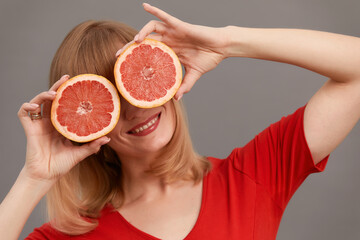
x: 199, y: 48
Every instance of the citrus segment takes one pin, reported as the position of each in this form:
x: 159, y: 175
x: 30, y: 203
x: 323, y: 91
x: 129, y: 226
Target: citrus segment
x: 86, y: 107
x: 148, y: 74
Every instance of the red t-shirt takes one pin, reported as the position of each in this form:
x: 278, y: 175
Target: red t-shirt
x: 244, y: 195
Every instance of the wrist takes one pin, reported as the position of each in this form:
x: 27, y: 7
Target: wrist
x: 238, y: 42
x: 41, y: 185
x: 18, y: 204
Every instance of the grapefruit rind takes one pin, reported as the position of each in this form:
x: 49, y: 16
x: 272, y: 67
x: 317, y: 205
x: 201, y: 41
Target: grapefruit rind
x: 115, y: 113
x: 170, y: 93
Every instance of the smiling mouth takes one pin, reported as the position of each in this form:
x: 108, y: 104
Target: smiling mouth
x: 146, y: 127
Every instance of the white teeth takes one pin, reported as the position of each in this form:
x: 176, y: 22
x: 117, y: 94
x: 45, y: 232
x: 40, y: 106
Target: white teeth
x: 145, y: 126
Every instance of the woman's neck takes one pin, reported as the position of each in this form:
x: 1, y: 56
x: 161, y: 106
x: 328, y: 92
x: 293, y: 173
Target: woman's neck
x: 138, y: 182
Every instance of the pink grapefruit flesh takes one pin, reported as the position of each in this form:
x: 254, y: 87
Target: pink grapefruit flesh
x: 86, y: 107
x: 148, y: 74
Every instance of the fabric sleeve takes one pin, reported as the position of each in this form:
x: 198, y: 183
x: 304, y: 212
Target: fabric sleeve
x: 36, y: 235
x: 279, y: 158
x: 45, y: 232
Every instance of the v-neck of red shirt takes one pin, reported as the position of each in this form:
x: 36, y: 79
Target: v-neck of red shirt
x: 188, y: 236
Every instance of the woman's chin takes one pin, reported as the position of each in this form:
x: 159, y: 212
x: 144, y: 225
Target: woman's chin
x: 142, y: 149
x: 153, y: 147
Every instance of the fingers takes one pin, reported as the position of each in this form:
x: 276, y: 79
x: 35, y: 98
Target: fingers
x: 90, y: 148
x: 123, y: 48
x: 150, y: 27
x: 157, y: 37
x: 34, y: 106
x: 42, y: 97
x: 167, y: 22
x: 24, y: 110
x: 160, y: 14
x: 47, y: 103
x: 190, y: 78
x: 56, y: 85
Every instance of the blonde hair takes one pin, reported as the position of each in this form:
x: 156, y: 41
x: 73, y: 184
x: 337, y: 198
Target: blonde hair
x: 75, y: 201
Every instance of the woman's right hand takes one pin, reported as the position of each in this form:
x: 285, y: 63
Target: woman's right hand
x: 49, y: 155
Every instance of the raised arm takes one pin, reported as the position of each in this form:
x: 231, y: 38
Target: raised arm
x: 48, y: 156
x: 335, y: 109
x: 330, y: 114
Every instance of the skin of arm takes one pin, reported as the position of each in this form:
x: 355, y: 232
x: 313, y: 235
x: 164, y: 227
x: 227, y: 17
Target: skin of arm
x: 329, y: 115
x: 19, y: 203
x: 335, y: 108
x: 48, y: 157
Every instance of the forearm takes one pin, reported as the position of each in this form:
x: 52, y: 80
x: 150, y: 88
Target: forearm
x: 332, y: 55
x: 18, y: 205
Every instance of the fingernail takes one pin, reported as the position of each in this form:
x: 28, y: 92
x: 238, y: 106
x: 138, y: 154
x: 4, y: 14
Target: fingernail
x: 118, y: 52
x: 178, y: 99
x: 53, y: 93
x: 34, y: 105
x: 106, y: 141
x: 136, y: 37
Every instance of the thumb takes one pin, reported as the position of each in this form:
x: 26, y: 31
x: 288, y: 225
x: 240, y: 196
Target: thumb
x: 89, y: 148
x: 190, y: 78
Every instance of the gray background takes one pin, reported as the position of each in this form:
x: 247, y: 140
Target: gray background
x: 226, y: 108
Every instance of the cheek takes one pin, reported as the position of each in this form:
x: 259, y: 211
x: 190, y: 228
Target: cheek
x: 167, y: 132
x: 170, y: 121
x: 172, y: 124
x: 115, y: 133
x: 115, y: 130
x: 118, y: 143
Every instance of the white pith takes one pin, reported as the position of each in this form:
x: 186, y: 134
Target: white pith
x: 147, y: 73
x: 145, y: 126
x: 170, y: 93
x: 84, y: 108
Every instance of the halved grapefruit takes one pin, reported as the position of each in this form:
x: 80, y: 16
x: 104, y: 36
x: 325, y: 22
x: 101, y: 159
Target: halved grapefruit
x: 148, y: 74
x: 85, y: 108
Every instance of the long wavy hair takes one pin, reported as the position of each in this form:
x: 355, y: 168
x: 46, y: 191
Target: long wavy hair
x: 75, y: 201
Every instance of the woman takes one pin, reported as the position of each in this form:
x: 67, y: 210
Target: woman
x: 156, y: 186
